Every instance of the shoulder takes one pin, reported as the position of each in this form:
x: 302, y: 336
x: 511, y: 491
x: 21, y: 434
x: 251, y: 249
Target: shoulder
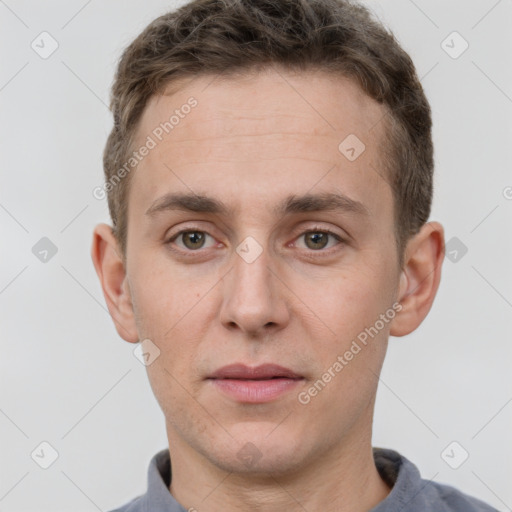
x: 455, y: 500
x: 411, y: 493
x: 133, y: 505
x: 157, y: 495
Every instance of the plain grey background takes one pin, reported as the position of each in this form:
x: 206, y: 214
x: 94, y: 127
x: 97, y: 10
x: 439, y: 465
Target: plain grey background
x: 67, y: 379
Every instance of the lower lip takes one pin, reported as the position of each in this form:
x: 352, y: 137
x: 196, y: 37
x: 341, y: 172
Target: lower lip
x: 255, y: 391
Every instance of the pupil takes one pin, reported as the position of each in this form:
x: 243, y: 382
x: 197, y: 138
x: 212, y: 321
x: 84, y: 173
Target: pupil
x: 195, y: 239
x: 318, y: 239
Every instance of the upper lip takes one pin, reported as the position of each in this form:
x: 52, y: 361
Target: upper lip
x: 264, y: 371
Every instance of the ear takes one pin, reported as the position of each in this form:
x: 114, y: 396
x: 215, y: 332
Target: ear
x: 111, y: 271
x: 419, y: 279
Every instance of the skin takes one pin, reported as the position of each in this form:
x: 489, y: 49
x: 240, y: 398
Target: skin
x: 251, y: 142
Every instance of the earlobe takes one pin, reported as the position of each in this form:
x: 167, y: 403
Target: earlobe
x: 420, y: 277
x: 111, y: 272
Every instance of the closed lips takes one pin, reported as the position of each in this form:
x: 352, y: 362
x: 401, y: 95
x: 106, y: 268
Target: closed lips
x: 263, y: 372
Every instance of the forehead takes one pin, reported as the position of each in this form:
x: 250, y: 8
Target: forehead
x: 325, y: 102
x: 249, y: 131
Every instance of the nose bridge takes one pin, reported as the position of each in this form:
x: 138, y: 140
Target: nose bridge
x: 252, y: 299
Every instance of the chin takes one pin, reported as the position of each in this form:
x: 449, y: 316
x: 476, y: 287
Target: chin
x: 260, y: 464
x: 259, y: 454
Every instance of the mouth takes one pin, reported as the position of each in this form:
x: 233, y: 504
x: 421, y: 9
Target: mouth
x: 263, y: 372
x: 259, y: 384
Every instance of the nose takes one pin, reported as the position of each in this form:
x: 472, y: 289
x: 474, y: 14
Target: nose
x: 254, y: 297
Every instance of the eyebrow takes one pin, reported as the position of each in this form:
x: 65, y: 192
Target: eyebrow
x: 327, y: 201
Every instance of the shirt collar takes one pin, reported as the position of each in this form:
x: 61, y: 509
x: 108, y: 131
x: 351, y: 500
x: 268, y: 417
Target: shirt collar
x: 158, y: 498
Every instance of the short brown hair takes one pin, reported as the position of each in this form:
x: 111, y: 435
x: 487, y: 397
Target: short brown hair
x: 226, y: 36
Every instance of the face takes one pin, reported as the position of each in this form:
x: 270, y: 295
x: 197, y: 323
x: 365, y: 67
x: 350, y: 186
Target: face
x: 253, y: 239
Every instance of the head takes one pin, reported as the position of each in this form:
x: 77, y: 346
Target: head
x: 275, y: 212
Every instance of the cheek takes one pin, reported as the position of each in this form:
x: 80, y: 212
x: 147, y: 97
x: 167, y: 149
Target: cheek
x: 354, y: 349
x: 175, y: 312
x: 173, y: 392
x: 351, y: 306
x: 162, y: 296
x: 353, y: 301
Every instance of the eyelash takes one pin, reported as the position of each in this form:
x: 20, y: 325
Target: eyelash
x: 193, y: 229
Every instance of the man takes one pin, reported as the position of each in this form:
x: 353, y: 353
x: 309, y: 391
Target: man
x: 269, y: 178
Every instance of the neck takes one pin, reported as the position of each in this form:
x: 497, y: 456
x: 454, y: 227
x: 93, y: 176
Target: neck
x: 345, y: 479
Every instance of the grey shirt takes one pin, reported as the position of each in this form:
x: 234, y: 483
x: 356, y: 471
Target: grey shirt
x: 409, y: 493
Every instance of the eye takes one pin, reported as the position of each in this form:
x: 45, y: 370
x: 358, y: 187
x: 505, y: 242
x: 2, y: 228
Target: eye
x: 191, y: 239
x: 319, y: 239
